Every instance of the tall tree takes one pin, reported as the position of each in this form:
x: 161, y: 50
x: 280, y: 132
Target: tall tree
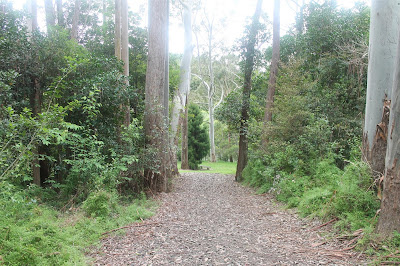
x: 389, y: 218
x: 121, y: 47
x: 125, y: 53
x: 60, y: 13
x: 211, y: 88
x: 273, y: 73
x: 249, y: 54
x: 384, y: 28
x: 179, y: 101
x: 75, y: 20
x: 36, y: 95
x: 50, y: 16
x: 117, y: 37
x: 156, y: 128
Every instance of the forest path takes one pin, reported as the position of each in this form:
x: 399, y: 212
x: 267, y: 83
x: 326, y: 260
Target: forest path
x: 209, y: 219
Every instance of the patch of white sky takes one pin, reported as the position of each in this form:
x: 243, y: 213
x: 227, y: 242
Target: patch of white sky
x: 234, y: 13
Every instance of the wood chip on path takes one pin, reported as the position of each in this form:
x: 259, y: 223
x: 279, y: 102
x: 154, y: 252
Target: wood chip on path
x: 209, y: 219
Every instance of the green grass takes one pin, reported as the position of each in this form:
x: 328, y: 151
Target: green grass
x: 219, y: 167
x: 33, y: 233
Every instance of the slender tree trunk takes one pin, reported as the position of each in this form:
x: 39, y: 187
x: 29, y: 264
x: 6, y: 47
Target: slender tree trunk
x: 383, y: 40
x: 211, y: 95
x: 185, y: 141
x: 273, y: 69
x: 37, y: 103
x: 179, y: 101
x: 36, y: 92
x: 229, y: 144
x: 117, y: 38
x: 60, y: 13
x: 211, y: 129
x: 125, y: 55
x: 50, y: 16
x: 248, y: 70
x: 156, y: 129
x: 75, y: 20
x: 389, y: 218
x: 32, y: 21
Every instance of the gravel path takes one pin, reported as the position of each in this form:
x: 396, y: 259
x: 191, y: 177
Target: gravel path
x: 209, y: 219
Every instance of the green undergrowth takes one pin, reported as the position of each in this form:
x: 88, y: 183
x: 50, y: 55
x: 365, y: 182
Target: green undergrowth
x: 318, y: 188
x: 219, y: 167
x: 34, y: 233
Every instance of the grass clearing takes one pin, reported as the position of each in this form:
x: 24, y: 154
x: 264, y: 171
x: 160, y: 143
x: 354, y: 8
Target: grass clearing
x: 219, y: 167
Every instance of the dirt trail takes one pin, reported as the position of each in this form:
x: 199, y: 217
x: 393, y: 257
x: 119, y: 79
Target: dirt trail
x: 209, y: 219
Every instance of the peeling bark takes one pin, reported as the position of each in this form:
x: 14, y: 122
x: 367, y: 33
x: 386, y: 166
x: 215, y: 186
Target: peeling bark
x: 389, y: 218
x: 384, y: 28
x: 376, y: 155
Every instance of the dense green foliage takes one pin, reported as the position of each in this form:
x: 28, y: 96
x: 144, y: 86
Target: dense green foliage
x: 60, y: 110
x: 198, y: 141
x: 312, y: 160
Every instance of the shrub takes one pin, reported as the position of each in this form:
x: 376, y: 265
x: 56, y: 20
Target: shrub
x: 198, y: 142
x: 100, y: 204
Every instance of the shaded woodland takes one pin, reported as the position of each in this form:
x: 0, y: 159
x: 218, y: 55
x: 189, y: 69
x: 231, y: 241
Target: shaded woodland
x: 95, y: 113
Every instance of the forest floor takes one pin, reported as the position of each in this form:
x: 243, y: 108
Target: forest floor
x: 208, y: 219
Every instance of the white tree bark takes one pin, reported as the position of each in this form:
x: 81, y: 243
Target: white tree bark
x: 389, y: 218
x: 384, y: 30
x: 179, y: 100
x: 211, y: 90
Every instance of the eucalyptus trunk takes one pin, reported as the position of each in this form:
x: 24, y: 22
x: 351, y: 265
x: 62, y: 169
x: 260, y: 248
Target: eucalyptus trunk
x: 125, y: 56
x: 389, y: 217
x: 75, y: 20
x: 273, y: 69
x: 211, y: 92
x: 384, y: 28
x: 185, y: 140
x: 156, y: 129
x: 179, y: 101
x: 50, y: 15
x: 117, y: 30
x: 60, y: 13
x: 36, y: 94
x: 248, y: 70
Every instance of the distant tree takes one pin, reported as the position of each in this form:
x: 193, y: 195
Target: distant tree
x: 198, y: 142
x: 181, y: 95
x: 50, y: 16
x: 273, y: 73
x: 185, y: 149
x: 60, y: 13
x: 75, y: 20
x: 249, y: 54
